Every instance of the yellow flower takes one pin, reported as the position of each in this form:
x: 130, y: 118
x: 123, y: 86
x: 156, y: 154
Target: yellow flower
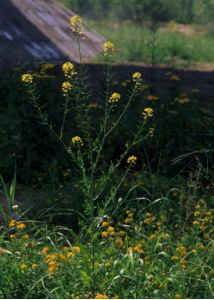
x: 76, y: 248
x: 33, y: 266
x: 177, y: 296
x: 152, y: 98
x: 44, y: 250
x: 174, y: 257
x: 148, y: 112
x: 101, y: 296
x: 70, y: 254
x: 53, y: 268
x: 76, y: 140
x: 174, y: 77
x: 68, y: 69
x: 21, y: 226
x: 65, y: 248
x: 104, y: 234
x: 104, y: 224
x: 66, y: 88
x: 27, y: 78
x: 195, y: 223
x: 23, y: 266
x: 107, y: 264
x: 182, y: 100
x: 115, y: 97
x: 132, y: 160
x: 108, y: 48
x: 130, y: 249
x: 122, y: 233
x: 137, y: 77
x: 12, y: 223
x: 12, y: 237
x: 119, y: 241
x: 25, y: 237
x: 196, y: 213
x: 76, y: 24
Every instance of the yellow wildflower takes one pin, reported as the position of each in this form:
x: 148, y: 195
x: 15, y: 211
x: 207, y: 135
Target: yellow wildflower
x: 12, y: 223
x: 76, y: 140
x: 174, y: 257
x: 44, y: 250
x: 104, y: 234
x: 174, y: 77
x: 65, y: 248
x: 107, y: 264
x: 27, y: 78
x: 122, y: 233
x: 76, y: 248
x: 23, y: 266
x: 152, y: 98
x: 70, y: 254
x: 104, y: 224
x: 33, y: 266
x: 137, y: 76
x: 66, y: 88
x: 132, y: 160
x: 196, y: 213
x: 151, y: 131
x: 119, y: 241
x: 21, y: 226
x: 25, y: 237
x: 53, y: 268
x: 195, y: 223
x: 12, y: 237
x: 76, y: 24
x: 115, y: 97
x: 68, y: 69
x: 148, y: 112
x: 101, y: 296
x: 108, y: 48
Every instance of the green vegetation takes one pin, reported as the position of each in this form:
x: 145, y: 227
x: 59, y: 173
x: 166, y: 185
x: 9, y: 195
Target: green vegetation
x: 115, y: 180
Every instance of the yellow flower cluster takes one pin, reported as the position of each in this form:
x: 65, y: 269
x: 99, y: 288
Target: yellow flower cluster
x: 115, y: 97
x: 108, y: 48
x: 101, y: 296
x: 132, y: 160
x: 152, y: 98
x: 77, y: 141
x: 129, y: 216
x: 151, y: 131
x: 68, y: 69
x: 27, y: 78
x: 148, y: 112
x: 66, y: 88
x: 76, y: 24
x: 137, y: 77
x: 150, y: 218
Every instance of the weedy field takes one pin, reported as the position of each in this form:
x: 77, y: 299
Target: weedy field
x: 112, y: 194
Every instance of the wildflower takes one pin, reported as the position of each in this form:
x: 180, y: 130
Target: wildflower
x: 62, y: 257
x: 21, y: 226
x: 137, y: 77
x: 122, y: 233
x: 138, y: 248
x: 76, y: 248
x: 195, y: 223
x: 12, y: 237
x: 174, y: 77
x: 107, y: 264
x: 130, y: 249
x: 119, y: 241
x: 76, y: 24
x: 104, y: 224
x: 148, y: 112
x: 23, y: 266
x: 53, y: 268
x: 66, y: 88
x: 132, y: 160
x: 104, y: 234
x: 77, y: 141
x: 115, y: 97
x: 174, y: 257
x: 25, y: 237
x: 194, y: 251
x: 34, y: 266
x: 101, y: 296
x: 68, y: 69
x: 70, y: 254
x: 44, y: 250
x: 152, y: 98
x: 182, y: 100
x: 27, y: 78
x: 108, y: 48
x: 12, y: 223
x: 65, y: 248
x: 177, y: 296
x: 196, y: 213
